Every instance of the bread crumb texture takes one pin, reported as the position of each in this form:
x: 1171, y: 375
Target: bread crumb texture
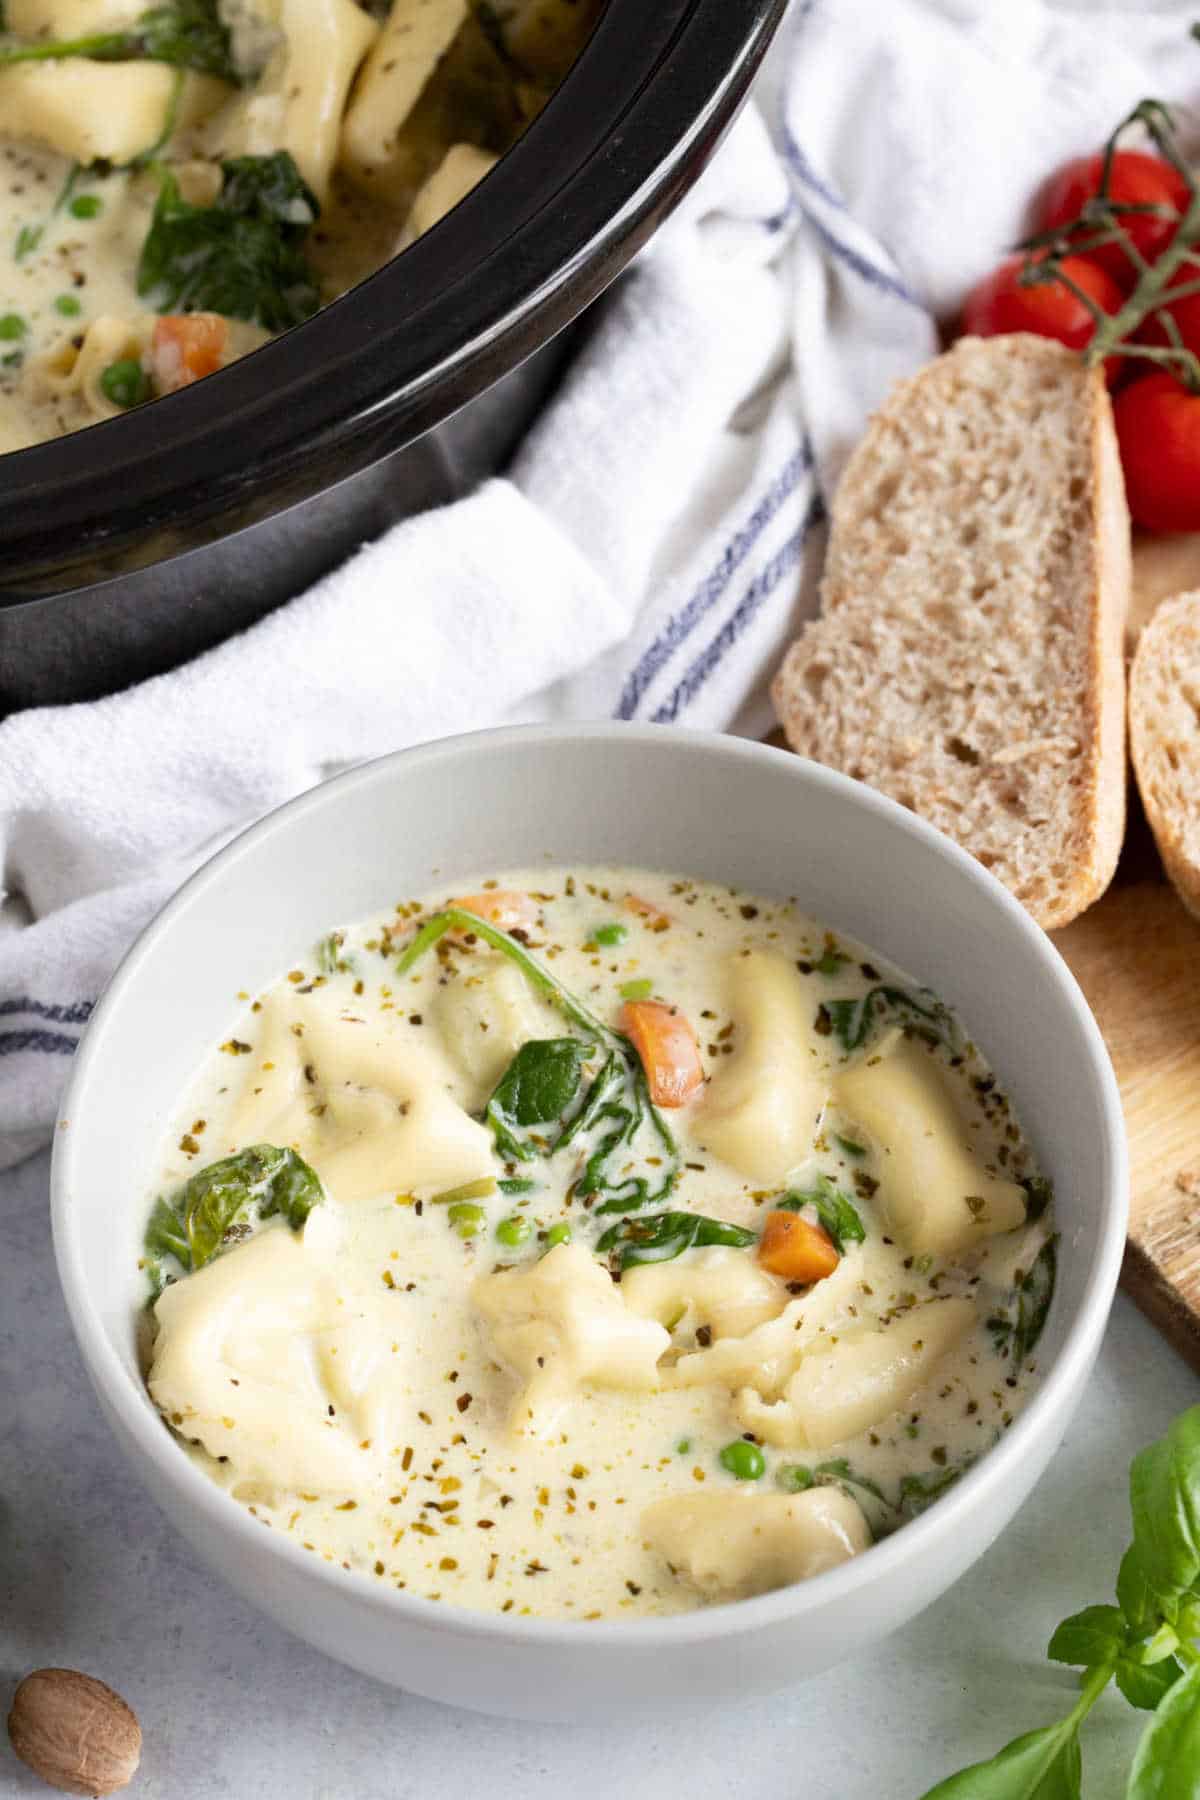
x: 968, y: 656
x: 1164, y: 729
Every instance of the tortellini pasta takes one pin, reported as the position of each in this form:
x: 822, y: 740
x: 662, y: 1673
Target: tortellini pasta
x: 935, y: 1196
x: 761, y: 1109
x: 484, y: 1017
x: 858, y: 1379
x: 259, y: 1359
x: 101, y: 112
x: 722, y: 1289
x: 561, y: 1324
x: 366, y: 1107
x: 732, y: 1545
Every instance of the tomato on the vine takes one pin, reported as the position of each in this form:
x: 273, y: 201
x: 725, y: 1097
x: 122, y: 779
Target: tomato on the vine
x: 1136, y: 178
x: 1158, y: 428
x: 1185, y: 312
x: 999, y: 304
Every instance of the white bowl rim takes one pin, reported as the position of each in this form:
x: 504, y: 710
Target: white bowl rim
x: 731, y: 1618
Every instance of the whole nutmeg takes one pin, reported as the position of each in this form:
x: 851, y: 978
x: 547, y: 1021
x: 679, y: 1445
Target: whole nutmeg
x: 74, y: 1732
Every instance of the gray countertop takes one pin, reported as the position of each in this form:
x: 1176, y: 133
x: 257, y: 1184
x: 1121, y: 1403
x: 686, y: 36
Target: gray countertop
x: 93, y: 1577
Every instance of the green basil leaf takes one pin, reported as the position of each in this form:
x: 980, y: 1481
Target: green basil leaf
x: 1145, y: 1684
x: 1095, y: 1635
x: 661, y: 1237
x: 1167, y: 1763
x: 855, y: 1021
x: 835, y: 1210
x: 1042, y: 1765
x: 241, y: 256
x: 1134, y: 1595
x: 1164, y: 1492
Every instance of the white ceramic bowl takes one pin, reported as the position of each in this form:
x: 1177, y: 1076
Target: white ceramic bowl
x: 710, y: 806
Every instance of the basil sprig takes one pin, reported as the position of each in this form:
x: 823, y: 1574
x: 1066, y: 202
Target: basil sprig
x: 615, y: 1108
x: 228, y: 1196
x: 836, y: 1211
x: 1145, y: 1643
x: 661, y: 1237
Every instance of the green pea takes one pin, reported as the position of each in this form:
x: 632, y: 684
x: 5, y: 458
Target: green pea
x: 466, y: 1218
x: 683, y: 1446
x: 608, y: 935
x: 125, y: 383
x: 636, y: 990
x: 68, y: 306
x: 793, y: 1478
x: 745, y: 1462
x: 558, y: 1234
x: 12, y: 326
x: 514, y: 1230
x: 86, y: 206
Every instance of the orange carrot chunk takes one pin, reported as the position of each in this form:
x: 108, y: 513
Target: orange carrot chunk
x: 186, y: 346
x: 504, y: 907
x: 667, y: 1045
x: 792, y: 1248
x: 645, y: 910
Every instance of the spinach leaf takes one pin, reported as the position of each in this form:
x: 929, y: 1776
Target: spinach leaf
x: 617, y: 1104
x: 187, y: 34
x: 1167, y: 1763
x: 838, y: 1469
x: 193, y: 1226
x: 836, y: 1211
x: 660, y: 1237
x: 1042, y: 1765
x: 854, y: 1021
x: 917, y: 1492
x: 1032, y: 1295
x: 241, y: 256
x: 538, y: 1086
x: 1164, y: 1492
x: 1038, y: 1195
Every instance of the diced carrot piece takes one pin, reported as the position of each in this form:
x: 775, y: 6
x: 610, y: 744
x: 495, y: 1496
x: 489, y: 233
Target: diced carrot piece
x: 794, y: 1249
x: 510, y: 910
x: 667, y: 1045
x: 650, y: 915
x: 186, y: 346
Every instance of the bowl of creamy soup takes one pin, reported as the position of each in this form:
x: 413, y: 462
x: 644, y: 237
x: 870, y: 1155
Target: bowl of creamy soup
x: 598, y: 1216
x: 251, y: 250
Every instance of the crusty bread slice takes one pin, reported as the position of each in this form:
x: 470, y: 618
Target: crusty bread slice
x: 968, y: 660
x: 1164, y: 735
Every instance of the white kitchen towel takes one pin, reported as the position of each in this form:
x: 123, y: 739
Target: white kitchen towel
x: 655, y: 540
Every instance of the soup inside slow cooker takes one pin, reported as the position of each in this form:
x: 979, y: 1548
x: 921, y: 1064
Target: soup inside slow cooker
x: 181, y: 182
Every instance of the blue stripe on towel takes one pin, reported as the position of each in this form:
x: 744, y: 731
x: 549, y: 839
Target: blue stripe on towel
x: 52, y: 1043
x: 759, y: 591
x: 77, y: 1013
x: 682, y: 623
x: 870, y: 272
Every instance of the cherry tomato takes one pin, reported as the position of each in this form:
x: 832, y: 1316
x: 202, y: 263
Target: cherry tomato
x: 1158, y: 427
x: 999, y: 304
x: 1136, y: 178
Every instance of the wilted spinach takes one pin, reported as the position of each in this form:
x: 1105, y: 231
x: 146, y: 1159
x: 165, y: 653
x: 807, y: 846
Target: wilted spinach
x: 243, y: 255
x: 836, y: 1211
x: 187, y: 34
x: 252, y: 1184
x: 1020, y: 1327
x: 661, y: 1237
x: 853, y: 1022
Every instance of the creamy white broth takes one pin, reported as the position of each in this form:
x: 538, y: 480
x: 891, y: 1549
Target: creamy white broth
x: 382, y: 1402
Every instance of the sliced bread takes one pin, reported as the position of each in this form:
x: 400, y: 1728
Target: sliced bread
x: 1164, y: 736
x: 968, y: 659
